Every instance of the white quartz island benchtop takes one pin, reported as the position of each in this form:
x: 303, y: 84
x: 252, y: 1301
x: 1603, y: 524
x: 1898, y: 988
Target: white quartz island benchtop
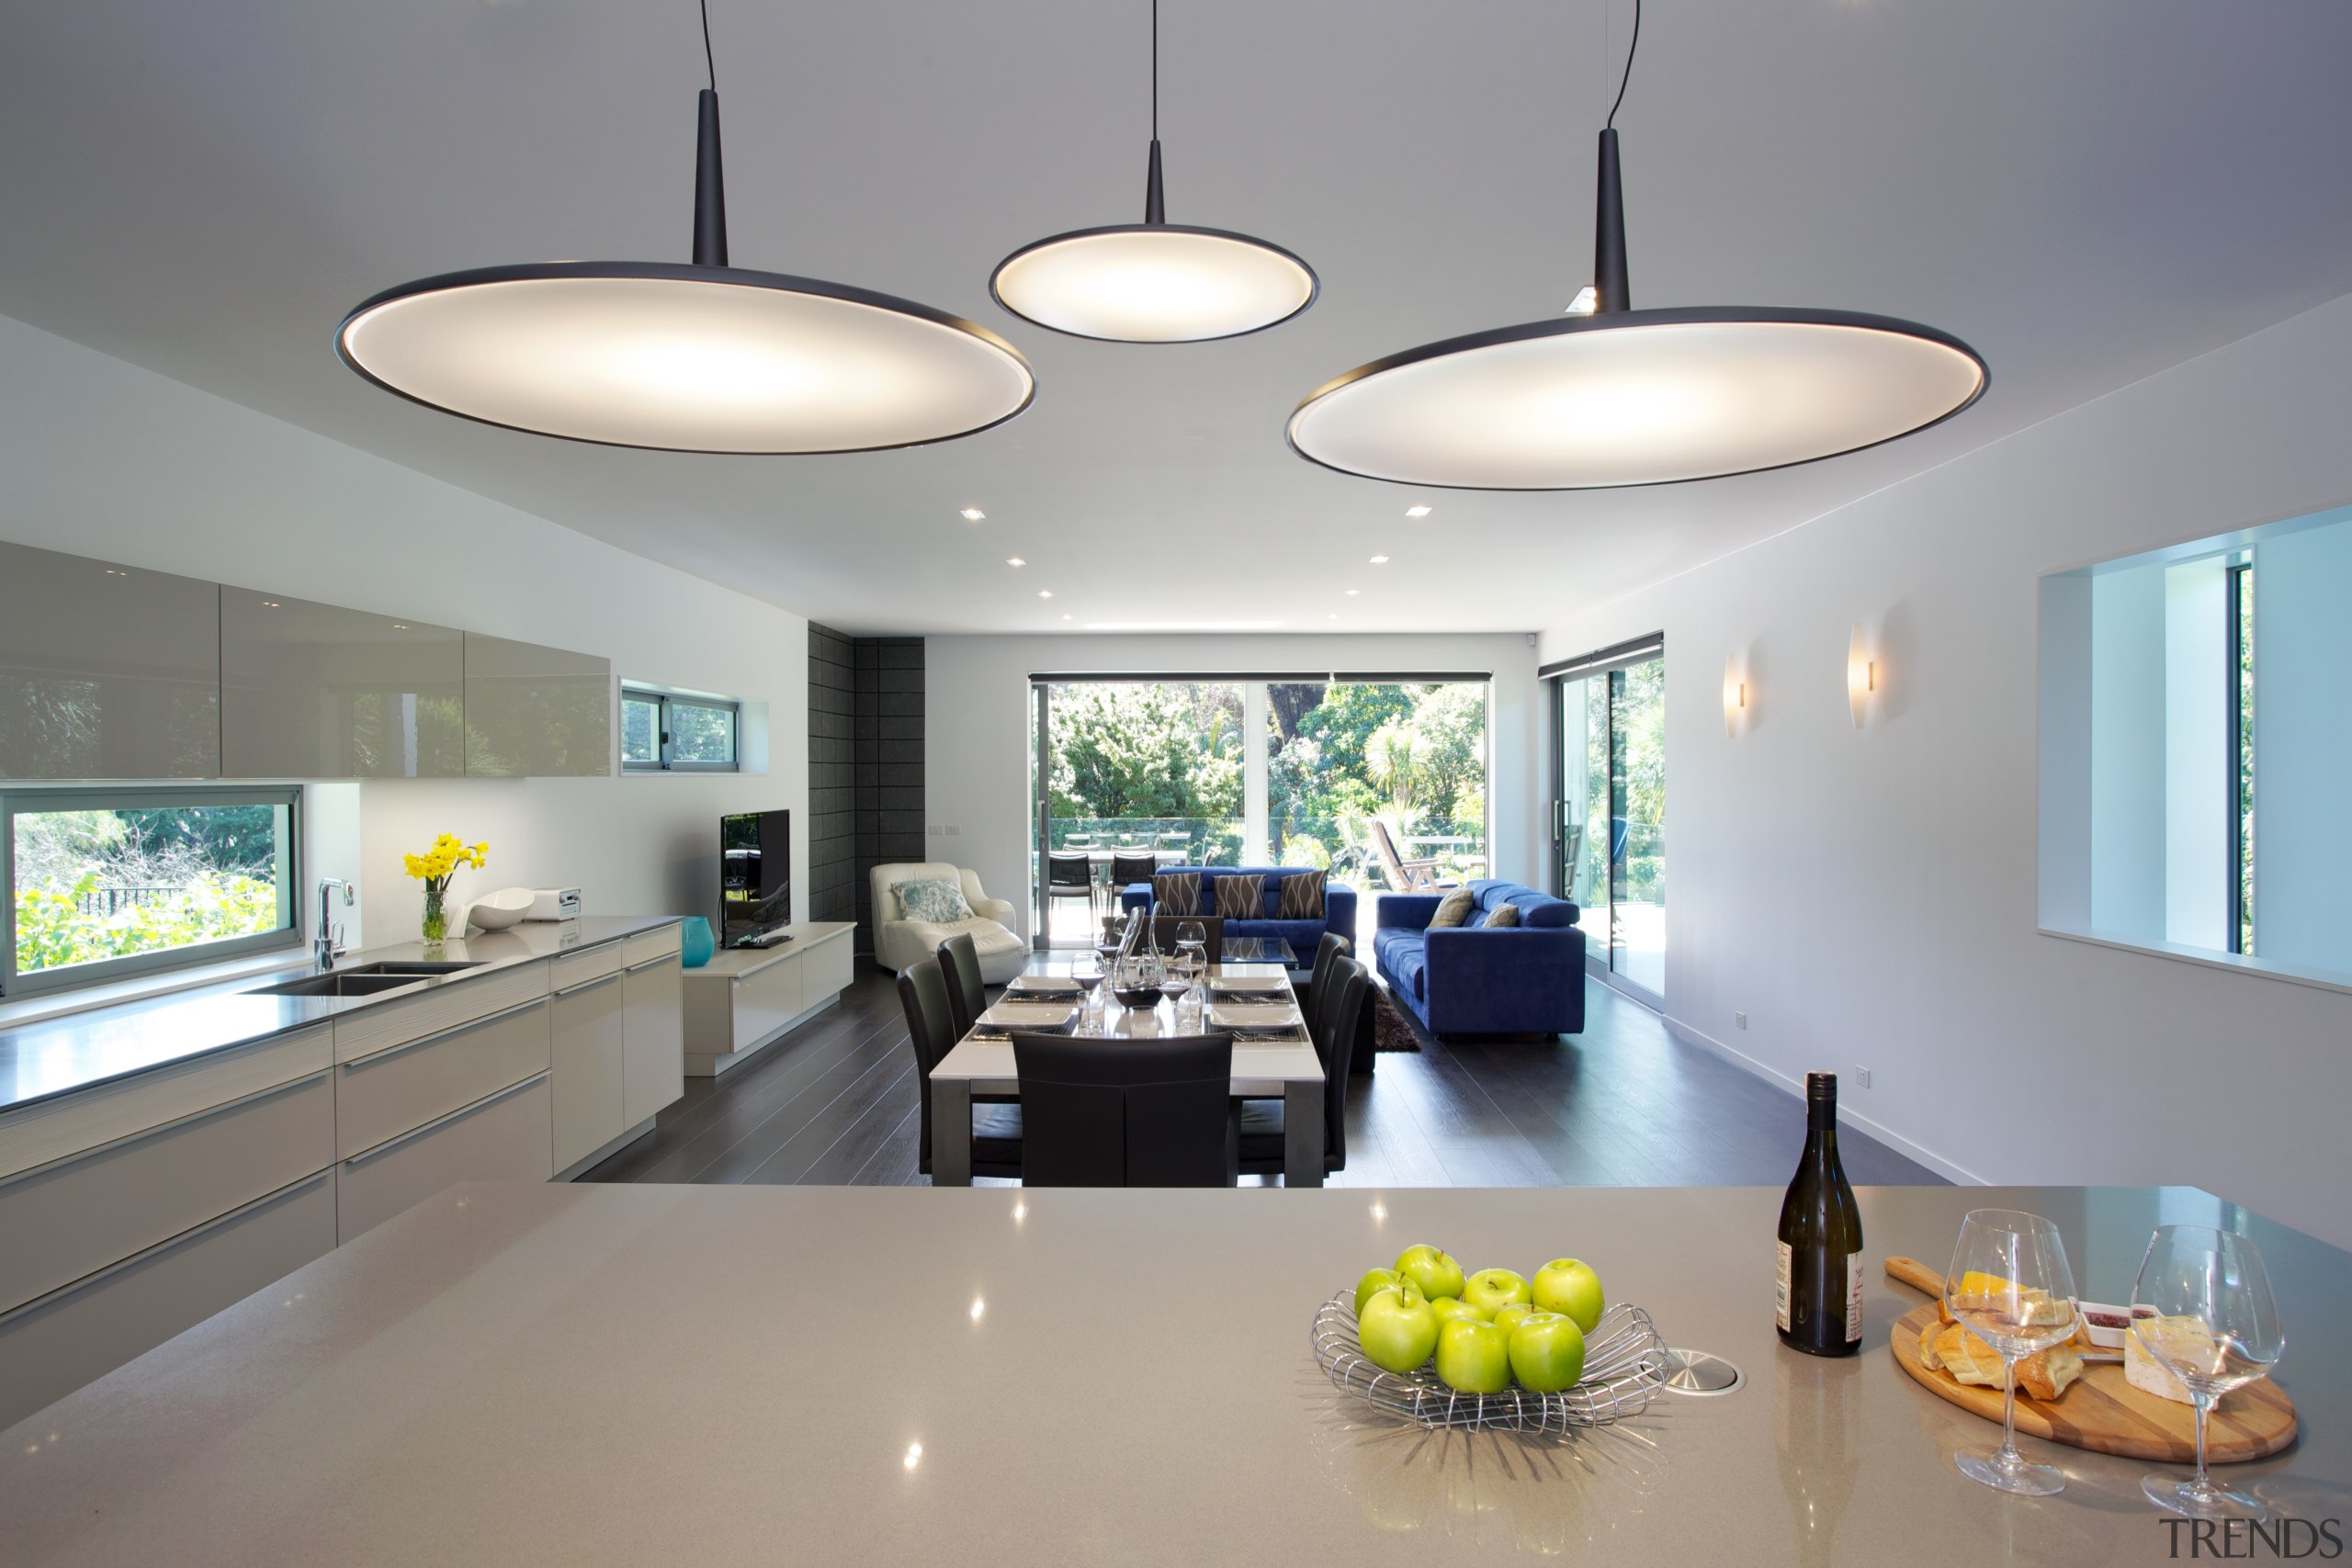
x: 713, y: 1375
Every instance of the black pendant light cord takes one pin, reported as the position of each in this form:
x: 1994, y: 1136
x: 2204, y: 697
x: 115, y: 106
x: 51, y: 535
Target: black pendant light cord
x: 1634, y: 44
x: 1155, y: 199
x: 710, y: 181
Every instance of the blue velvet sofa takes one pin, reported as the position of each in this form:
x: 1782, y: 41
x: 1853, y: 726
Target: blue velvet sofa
x: 1473, y: 979
x: 1339, y: 907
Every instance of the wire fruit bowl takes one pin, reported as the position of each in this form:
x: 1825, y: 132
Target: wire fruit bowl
x: 1624, y: 1368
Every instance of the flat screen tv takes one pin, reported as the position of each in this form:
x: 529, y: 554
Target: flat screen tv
x: 754, y: 875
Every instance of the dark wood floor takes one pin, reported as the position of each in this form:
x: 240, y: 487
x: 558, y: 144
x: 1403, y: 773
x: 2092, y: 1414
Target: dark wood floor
x: 1620, y: 1105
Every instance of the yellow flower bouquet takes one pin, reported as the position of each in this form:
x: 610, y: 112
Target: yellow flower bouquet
x: 434, y: 868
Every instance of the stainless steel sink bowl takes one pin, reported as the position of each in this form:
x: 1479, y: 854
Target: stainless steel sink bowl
x: 349, y: 984
x: 413, y: 969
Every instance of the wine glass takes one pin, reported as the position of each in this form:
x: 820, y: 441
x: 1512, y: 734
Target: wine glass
x: 2009, y: 1286
x: 2216, y: 1329
x: 1193, y: 946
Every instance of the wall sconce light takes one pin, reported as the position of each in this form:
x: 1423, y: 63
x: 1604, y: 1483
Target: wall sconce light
x: 1734, y: 696
x: 1861, y: 676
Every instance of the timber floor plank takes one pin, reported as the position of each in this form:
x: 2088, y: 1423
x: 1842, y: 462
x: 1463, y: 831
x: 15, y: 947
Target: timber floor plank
x: 1623, y: 1103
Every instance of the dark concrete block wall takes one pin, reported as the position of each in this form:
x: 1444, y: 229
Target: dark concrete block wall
x: 833, y: 806
x: 865, y: 772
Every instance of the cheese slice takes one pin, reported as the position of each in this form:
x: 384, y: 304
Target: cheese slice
x: 2143, y: 1371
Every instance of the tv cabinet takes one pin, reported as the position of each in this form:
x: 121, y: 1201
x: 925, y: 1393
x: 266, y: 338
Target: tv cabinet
x: 745, y: 999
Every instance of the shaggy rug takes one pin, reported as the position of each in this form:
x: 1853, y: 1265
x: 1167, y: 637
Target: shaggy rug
x: 1391, y: 1029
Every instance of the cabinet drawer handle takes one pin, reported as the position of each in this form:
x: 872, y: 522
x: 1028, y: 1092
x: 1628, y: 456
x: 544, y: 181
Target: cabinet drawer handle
x: 472, y: 1024
x: 389, y: 1144
x: 588, y: 984
x: 651, y: 962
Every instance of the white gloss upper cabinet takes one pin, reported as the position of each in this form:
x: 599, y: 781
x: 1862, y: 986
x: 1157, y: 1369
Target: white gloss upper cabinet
x: 106, y: 671
x: 535, y: 712
x: 317, y: 691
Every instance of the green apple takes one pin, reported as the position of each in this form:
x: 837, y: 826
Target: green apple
x: 1374, y: 1279
x: 1448, y: 1308
x: 1508, y: 1318
x: 1570, y: 1288
x: 1547, y: 1352
x: 1433, y: 1271
x: 1495, y: 1289
x: 1398, y: 1330
x: 1474, y: 1357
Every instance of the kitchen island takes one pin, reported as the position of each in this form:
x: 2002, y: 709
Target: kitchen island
x: 162, y: 1158
x: 514, y: 1373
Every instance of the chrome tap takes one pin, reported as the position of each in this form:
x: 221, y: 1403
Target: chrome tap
x: 327, y: 946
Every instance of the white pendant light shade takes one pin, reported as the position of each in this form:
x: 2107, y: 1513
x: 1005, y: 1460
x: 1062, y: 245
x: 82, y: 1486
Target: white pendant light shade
x: 703, y: 357
x: 1635, y: 398
x: 1609, y: 396
x: 687, y: 358
x: 1153, y: 283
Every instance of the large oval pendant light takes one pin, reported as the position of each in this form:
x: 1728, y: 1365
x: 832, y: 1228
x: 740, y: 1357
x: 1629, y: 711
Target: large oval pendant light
x: 1622, y: 397
x: 705, y: 357
x: 1153, y: 281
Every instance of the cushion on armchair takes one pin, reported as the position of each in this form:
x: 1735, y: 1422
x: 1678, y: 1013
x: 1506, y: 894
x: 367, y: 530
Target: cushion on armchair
x: 935, y: 900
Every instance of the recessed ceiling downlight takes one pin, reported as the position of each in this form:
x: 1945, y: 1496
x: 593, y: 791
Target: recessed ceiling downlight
x: 1621, y: 397
x: 1153, y: 281
x: 704, y: 357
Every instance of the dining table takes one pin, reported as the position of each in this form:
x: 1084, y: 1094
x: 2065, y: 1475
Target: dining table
x: 1269, y: 1063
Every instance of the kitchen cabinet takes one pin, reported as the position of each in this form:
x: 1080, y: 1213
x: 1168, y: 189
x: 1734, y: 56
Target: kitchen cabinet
x: 587, y: 1071
x: 106, y: 671
x: 318, y: 690
x: 653, y: 1035
x: 56, y: 1344
x: 536, y: 711
x: 501, y: 1138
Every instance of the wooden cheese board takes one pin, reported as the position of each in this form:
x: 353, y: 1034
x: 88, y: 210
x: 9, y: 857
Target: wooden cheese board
x: 2100, y: 1411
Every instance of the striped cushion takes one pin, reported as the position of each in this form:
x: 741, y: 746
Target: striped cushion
x: 1455, y: 909
x: 1501, y: 914
x: 1302, y: 897
x: 1176, y: 893
x: 1241, y: 898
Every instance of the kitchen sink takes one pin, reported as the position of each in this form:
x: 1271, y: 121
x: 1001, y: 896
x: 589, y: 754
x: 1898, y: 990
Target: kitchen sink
x: 412, y: 969
x: 351, y: 984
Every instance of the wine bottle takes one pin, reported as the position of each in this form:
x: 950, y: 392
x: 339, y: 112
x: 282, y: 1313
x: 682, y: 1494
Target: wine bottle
x: 1819, y: 1298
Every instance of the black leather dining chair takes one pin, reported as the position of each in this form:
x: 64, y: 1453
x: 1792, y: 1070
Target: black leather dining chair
x: 996, y: 1128
x: 1263, y: 1131
x: 967, y: 995
x: 1164, y: 927
x: 1332, y: 945
x: 1128, y: 1112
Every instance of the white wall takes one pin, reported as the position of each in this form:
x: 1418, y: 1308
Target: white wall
x: 2302, y: 738
x: 976, y: 740
x: 103, y: 458
x: 1868, y: 896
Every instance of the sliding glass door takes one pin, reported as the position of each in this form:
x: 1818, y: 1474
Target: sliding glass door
x: 1608, y: 834
x: 1380, y: 782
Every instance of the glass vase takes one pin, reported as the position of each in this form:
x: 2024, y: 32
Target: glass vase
x: 436, y: 918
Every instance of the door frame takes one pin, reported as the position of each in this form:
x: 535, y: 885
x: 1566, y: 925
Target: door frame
x: 1601, y: 663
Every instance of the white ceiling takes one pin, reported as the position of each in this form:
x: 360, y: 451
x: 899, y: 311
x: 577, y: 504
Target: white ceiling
x: 2087, y: 192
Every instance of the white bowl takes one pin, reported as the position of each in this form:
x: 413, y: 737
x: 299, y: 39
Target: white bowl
x: 501, y: 910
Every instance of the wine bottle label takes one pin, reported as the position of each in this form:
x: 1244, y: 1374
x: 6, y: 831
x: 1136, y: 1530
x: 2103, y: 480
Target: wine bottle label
x: 1853, y: 1297
x: 1780, y: 1286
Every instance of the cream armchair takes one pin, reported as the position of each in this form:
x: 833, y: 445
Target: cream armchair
x: 899, y: 942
